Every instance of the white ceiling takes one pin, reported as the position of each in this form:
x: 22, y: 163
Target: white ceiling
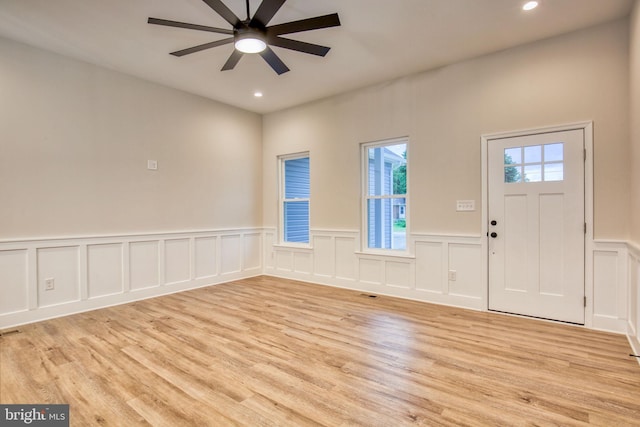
x: 378, y: 40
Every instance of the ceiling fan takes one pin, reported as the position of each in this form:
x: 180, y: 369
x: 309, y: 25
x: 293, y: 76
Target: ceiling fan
x: 254, y: 36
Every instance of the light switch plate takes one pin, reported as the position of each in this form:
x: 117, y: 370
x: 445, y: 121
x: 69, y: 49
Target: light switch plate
x: 465, y: 205
x: 152, y: 165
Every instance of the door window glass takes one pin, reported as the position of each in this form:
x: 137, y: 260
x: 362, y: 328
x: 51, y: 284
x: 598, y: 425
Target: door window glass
x: 534, y: 163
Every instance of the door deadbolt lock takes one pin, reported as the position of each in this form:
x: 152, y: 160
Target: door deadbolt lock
x: 494, y: 222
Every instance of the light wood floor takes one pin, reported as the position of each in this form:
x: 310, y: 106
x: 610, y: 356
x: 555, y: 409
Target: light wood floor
x: 268, y: 351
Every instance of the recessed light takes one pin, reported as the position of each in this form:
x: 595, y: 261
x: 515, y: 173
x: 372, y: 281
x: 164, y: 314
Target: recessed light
x: 257, y: 94
x: 530, y: 5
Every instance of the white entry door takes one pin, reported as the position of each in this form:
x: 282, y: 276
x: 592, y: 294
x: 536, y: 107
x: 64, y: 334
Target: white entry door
x: 536, y: 225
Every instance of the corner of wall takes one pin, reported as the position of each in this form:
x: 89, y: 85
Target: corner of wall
x: 633, y: 327
x: 634, y: 123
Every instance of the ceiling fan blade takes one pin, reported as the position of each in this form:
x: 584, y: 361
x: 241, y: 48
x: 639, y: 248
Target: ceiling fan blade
x: 205, y: 46
x: 266, y: 11
x: 313, y: 49
x: 232, y: 61
x: 274, y: 61
x: 316, y: 23
x: 177, y: 24
x: 225, y: 12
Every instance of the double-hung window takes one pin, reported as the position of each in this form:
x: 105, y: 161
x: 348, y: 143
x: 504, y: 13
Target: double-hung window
x: 384, y: 167
x: 294, y: 198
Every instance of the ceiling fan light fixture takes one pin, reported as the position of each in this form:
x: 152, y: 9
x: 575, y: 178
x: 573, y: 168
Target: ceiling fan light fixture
x: 250, y: 42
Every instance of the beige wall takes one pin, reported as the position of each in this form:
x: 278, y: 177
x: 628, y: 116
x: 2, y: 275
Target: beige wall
x: 76, y: 138
x: 576, y: 77
x: 74, y: 145
x: 635, y: 123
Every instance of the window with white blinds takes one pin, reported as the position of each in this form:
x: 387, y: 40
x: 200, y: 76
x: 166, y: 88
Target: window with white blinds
x: 295, y: 198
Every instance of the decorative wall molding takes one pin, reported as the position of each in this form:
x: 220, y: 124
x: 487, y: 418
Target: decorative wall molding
x: 94, y: 272
x: 334, y: 258
x: 608, y: 301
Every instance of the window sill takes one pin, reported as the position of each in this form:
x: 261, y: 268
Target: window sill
x: 292, y: 246
x: 386, y: 254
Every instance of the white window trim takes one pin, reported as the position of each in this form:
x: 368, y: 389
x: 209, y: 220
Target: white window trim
x: 282, y: 200
x: 364, y: 178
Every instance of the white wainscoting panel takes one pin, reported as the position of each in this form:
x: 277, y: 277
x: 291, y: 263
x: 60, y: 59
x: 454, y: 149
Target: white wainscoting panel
x: 62, y: 265
x: 398, y: 274
x: 231, y: 253
x: 323, y: 251
x: 610, y: 286
x: 284, y: 260
x: 436, y: 255
x: 269, y: 255
x: 94, y: 272
x: 430, y: 267
x: 303, y: 262
x: 371, y: 270
x: 177, y: 261
x: 205, y: 258
x: 345, y: 257
x: 104, y: 269
x: 252, y: 247
x: 387, y: 274
x: 14, y: 283
x: 465, y: 260
x: 144, y: 265
x: 606, y: 277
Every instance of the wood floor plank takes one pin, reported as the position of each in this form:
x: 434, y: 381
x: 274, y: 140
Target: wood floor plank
x: 274, y: 352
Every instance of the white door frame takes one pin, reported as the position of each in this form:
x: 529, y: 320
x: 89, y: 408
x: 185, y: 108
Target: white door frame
x: 587, y: 127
